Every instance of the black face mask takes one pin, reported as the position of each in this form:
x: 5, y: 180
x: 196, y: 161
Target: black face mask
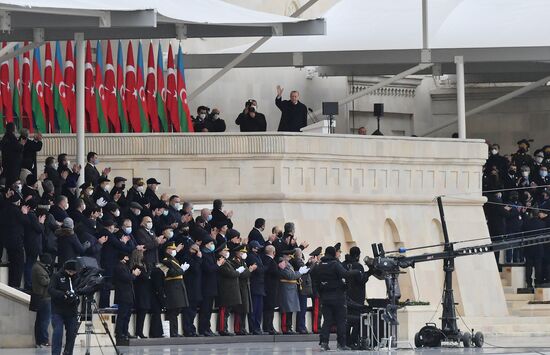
x: 280, y: 234
x: 123, y: 186
x: 512, y: 172
x: 522, y: 150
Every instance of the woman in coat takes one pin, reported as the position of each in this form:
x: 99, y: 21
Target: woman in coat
x: 142, y: 290
x: 174, y: 287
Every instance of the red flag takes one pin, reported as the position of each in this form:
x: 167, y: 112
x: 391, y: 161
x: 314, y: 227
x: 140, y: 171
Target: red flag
x: 151, y: 91
x: 48, y: 92
x: 26, y: 99
x: 70, y: 92
x: 5, y: 92
x: 89, y: 83
x: 111, y: 104
x: 131, y: 92
x: 172, y: 94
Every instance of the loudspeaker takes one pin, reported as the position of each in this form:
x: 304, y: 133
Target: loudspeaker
x: 330, y: 108
x: 378, y: 110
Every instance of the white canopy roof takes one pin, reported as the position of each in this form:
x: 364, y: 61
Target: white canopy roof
x: 154, y: 18
x: 384, y: 37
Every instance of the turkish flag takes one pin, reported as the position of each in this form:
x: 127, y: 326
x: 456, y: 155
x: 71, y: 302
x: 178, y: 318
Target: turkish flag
x: 89, y: 96
x: 132, y: 94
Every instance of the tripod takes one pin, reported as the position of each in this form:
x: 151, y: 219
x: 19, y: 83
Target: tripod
x: 89, y: 307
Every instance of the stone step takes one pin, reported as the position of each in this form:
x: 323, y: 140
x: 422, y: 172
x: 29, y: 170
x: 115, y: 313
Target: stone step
x: 519, y: 297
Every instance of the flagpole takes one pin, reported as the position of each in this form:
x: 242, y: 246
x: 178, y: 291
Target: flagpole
x: 80, y: 114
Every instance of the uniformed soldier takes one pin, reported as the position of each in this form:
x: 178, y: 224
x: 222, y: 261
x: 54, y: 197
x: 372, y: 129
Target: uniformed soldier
x: 240, y: 311
x: 174, y: 287
x: 288, y: 290
x: 328, y: 278
x: 316, y: 304
x: 228, y: 284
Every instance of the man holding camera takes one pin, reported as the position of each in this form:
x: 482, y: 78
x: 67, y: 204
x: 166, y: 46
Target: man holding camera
x: 250, y: 120
x: 64, y: 307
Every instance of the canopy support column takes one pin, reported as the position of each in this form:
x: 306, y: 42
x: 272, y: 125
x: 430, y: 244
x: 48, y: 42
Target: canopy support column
x: 460, y: 97
x: 80, y: 109
x: 242, y: 56
x: 381, y: 84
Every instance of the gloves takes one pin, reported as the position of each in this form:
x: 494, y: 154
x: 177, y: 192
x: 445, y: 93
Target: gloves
x: 101, y: 202
x: 240, y: 269
x: 303, y: 270
x: 185, y: 266
x: 87, y: 244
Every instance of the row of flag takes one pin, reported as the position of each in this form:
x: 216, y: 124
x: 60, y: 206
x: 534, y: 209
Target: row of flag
x: 126, y: 100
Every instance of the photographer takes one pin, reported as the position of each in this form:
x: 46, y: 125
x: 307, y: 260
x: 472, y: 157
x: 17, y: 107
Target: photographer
x: 64, y: 307
x: 250, y: 120
x: 40, y: 299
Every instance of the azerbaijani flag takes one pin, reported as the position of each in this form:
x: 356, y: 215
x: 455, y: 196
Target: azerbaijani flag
x: 183, y: 108
x: 17, y: 90
x: 26, y: 98
x: 121, y: 90
x: 60, y: 93
x: 37, y: 94
x: 48, y: 93
x: 161, y: 92
x: 100, y: 90
x: 142, y: 99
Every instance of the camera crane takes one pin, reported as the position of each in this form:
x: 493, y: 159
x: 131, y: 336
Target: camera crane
x: 430, y: 335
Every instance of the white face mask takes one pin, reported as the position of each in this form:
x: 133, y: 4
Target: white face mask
x: 55, y: 166
x: 254, y: 107
x: 225, y: 254
x: 68, y: 163
x: 149, y: 225
x: 136, y: 212
x: 107, y: 187
x: 177, y: 206
x: 173, y: 253
x: 216, y: 116
x: 494, y: 151
x: 83, y: 207
x: 18, y: 187
x: 90, y: 192
x: 100, y: 215
x: 539, y: 159
x: 117, y: 213
x: 127, y: 230
x: 244, y: 256
x: 141, y: 188
x: 525, y: 173
x: 165, y: 212
x: 543, y: 173
x: 170, y: 234
x: 202, y: 116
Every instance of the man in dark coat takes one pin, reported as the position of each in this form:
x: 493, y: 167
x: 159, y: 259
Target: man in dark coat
x: 13, y: 220
x: 534, y: 255
x: 12, y: 154
x: 228, y: 281
x: 51, y: 174
x: 124, y: 295
x: 68, y: 244
x: 33, y: 241
x: 158, y: 300
x: 288, y: 300
x: 293, y: 112
x: 250, y: 120
x: 118, y: 192
x: 174, y: 287
x: 271, y: 277
x: 30, y: 148
x: 240, y: 311
x: 214, y: 123
x: 151, y: 192
x: 209, y: 285
x: 222, y: 230
x: 193, y: 281
x: 145, y: 236
x: 327, y: 277
x: 256, y: 232
x: 219, y: 216
x: 91, y: 174
x: 137, y: 192
x: 257, y: 288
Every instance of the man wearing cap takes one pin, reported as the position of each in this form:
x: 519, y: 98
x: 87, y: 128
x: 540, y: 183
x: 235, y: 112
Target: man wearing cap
x: 151, y: 192
x: 241, y: 310
x: 174, y: 287
x: 137, y: 192
x: 134, y: 214
x: 271, y: 280
x: 228, y: 284
x: 69, y: 190
x: 101, y: 193
x: 64, y: 307
x: 68, y: 245
x: 257, y: 287
x: 289, y: 301
x: 86, y: 192
x: 209, y: 285
x: 522, y: 156
x: 91, y: 174
x: 193, y: 281
x: 328, y: 276
x: 112, y: 247
x: 314, y: 259
x: 117, y: 192
x: 123, y: 284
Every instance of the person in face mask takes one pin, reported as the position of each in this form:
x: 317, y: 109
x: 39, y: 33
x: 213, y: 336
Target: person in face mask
x: 522, y: 156
x: 250, y: 120
x: 101, y: 194
x: 240, y: 312
x: 87, y: 190
x: 496, y: 160
x: 59, y: 209
x: 199, y: 122
x: 174, y: 287
x: 151, y: 192
x: 91, y: 174
x: 209, y: 285
x: 145, y: 235
x: 228, y: 285
x: 174, y: 211
x: 118, y: 192
x: 525, y: 178
x: 50, y: 169
x: 214, y: 123
x: 137, y: 192
x: 541, y: 179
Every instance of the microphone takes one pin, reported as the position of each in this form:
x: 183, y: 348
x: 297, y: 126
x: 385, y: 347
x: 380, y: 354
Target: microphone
x: 312, y: 115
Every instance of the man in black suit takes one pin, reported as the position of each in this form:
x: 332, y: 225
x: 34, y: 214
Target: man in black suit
x: 91, y: 174
x: 30, y: 148
x: 256, y: 232
x: 293, y: 112
x: 222, y: 230
x: 151, y: 192
x: 271, y: 282
x: 12, y: 154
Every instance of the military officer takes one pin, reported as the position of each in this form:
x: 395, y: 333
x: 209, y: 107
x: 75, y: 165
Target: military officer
x: 174, y: 287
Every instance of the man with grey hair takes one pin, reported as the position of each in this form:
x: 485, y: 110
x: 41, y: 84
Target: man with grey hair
x: 293, y: 112
x: 271, y: 282
x: 30, y: 148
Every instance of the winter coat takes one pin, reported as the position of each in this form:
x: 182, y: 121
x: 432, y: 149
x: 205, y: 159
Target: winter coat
x: 174, y: 287
x: 228, y: 285
x: 244, y: 286
x: 271, y: 280
x: 288, y: 299
x: 123, y: 281
x: 257, y: 277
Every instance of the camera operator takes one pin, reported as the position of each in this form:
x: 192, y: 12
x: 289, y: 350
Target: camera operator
x: 328, y: 278
x: 214, y: 123
x: 250, y: 120
x: 64, y: 307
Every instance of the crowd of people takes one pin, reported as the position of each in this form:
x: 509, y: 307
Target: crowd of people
x: 517, y: 188
x: 158, y: 256
x: 293, y: 116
